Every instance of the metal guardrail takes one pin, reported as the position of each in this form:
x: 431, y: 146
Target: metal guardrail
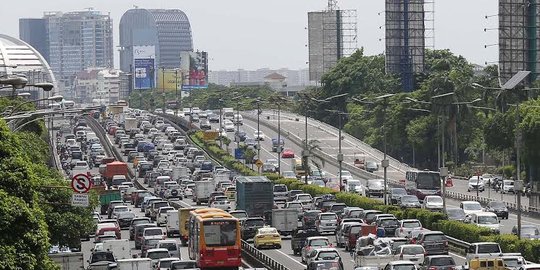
x: 260, y: 257
x: 247, y: 249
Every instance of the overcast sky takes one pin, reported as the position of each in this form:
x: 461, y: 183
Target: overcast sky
x: 252, y: 34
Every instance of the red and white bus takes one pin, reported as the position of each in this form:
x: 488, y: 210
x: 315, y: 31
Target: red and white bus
x: 423, y: 183
x: 214, y: 239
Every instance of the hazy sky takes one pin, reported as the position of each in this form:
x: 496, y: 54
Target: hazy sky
x: 253, y: 34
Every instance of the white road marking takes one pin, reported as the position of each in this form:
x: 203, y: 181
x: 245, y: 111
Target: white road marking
x: 290, y: 257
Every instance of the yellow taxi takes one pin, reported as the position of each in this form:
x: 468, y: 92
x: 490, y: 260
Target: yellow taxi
x: 267, y: 237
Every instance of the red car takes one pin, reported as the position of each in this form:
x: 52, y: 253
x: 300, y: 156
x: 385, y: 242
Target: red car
x: 287, y: 153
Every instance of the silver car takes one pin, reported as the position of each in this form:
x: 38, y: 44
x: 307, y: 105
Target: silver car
x: 326, y: 223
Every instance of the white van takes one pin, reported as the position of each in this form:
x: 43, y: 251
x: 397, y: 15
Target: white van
x: 485, y: 219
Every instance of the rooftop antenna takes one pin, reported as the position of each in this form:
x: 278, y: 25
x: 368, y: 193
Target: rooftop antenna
x: 332, y: 5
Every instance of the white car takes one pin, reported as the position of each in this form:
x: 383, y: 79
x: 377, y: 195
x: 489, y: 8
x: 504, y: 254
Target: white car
x: 161, y: 216
x: 475, y: 183
x: 223, y: 205
x: 406, y: 226
x: 486, y: 220
x: 345, y: 175
x: 228, y: 126
x: 258, y: 135
x: 411, y: 252
x: 188, y: 191
x: 471, y: 207
x: 433, y: 203
x: 508, y: 186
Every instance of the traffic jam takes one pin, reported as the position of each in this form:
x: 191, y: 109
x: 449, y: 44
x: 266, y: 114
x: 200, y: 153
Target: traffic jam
x: 181, y: 201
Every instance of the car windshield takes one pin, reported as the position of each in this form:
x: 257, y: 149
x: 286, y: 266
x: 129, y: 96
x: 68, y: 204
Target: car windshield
x: 375, y: 183
x: 497, y: 204
x: 220, y: 232
x: 411, y: 224
x: 355, y: 229
x: 328, y: 217
x: 156, y: 255
x: 328, y: 255
x: 435, y: 237
x: 304, y: 197
x: 338, y: 207
x: 280, y: 188
x: 488, y: 220
x: 169, y: 246
x: 409, y: 198
x: 295, y: 205
x: 442, y: 261
x: 428, y: 180
x: 511, y: 262
x: 319, y: 243
x: 404, y: 267
x: 399, y: 191
x: 412, y: 250
x: 488, y: 248
x: 153, y: 232
x: 435, y: 199
x: 240, y: 215
x: 184, y: 265
x: 254, y: 222
x: 355, y: 213
x: 389, y: 222
x: 472, y: 206
x: 455, y: 213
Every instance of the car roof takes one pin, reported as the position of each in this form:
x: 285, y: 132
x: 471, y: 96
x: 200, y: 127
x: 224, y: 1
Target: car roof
x: 317, y: 238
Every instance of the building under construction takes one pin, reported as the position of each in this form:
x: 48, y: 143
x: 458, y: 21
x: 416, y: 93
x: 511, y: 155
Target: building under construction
x: 518, y: 38
x: 405, y: 36
x: 331, y: 36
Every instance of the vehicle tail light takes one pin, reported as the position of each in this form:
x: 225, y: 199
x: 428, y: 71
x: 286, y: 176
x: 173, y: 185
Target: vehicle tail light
x: 330, y: 245
x: 401, y: 256
x: 432, y: 268
x: 401, y: 230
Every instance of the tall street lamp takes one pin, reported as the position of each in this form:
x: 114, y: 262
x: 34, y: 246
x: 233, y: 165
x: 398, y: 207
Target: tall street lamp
x: 279, y: 100
x: 56, y: 98
x: 306, y: 151
x: 340, y: 154
x: 384, y: 163
x: 519, y: 183
x: 258, y: 101
x: 237, y: 99
x: 443, y: 170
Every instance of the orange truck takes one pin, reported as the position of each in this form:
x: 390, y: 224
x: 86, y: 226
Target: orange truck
x: 115, y: 168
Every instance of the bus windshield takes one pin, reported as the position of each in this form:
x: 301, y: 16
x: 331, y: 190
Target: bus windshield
x: 428, y: 181
x: 220, y: 233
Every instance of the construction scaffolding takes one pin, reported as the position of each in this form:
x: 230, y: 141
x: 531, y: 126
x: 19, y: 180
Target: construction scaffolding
x: 518, y: 38
x: 405, y: 39
x: 331, y: 36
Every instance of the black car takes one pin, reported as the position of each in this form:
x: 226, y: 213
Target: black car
x: 213, y: 118
x: 310, y: 216
x: 250, y: 227
x: 299, y: 237
x: 389, y: 225
x: 456, y: 214
x: 499, y: 208
x: 325, y: 265
x: 205, y: 125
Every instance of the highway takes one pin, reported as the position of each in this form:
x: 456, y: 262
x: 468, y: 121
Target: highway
x: 289, y: 125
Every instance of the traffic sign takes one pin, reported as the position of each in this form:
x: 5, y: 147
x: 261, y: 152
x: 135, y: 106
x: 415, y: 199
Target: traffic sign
x: 259, y: 163
x: 79, y: 200
x: 81, y: 183
x: 239, y: 153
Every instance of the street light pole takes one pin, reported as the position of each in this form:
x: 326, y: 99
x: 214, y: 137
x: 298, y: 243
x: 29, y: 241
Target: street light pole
x: 163, y: 87
x: 340, y: 154
x: 220, y: 122
x: 279, y: 150
x: 258, y: 133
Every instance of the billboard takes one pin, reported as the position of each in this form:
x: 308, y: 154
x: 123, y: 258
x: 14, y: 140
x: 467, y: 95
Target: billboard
x: 144, y: 63
x: 195, y: 67
x: 169, y: 79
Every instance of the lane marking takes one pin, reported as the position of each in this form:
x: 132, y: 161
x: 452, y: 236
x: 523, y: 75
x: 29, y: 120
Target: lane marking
x: 293, y: 259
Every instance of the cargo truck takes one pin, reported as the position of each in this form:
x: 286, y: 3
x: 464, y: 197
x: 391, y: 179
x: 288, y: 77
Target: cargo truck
x: 134, y: 264
x: 68, y: 260
x: 129, y: 124
x: 183, y: 216
x: 284, y: 220
x: 202, y: 191
x: 254, y: 194
x: 107, y: 196
x: 114, y: 168
x: 173, y: 223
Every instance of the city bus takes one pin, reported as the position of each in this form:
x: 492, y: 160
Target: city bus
x: 214, y: 239
x: 423, y: 183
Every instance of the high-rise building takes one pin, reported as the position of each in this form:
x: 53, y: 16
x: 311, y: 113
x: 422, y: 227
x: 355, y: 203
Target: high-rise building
x: 166, y: 32
x: 519, y: 39
x: 331, y: 36
x: 33, y: 32
x: 405, y: 39
x: 77, y: 41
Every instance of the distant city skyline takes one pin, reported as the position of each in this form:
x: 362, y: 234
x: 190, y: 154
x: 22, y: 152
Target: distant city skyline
x: 254, y: 34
